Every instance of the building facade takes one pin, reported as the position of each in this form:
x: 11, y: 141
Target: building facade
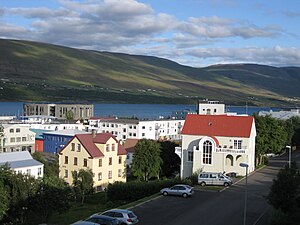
x: 54, y: 141
x: 17, y: 137
x: 101, y: 153
x: 206, y: 107
x: 22, y: 162
x: 59, y: 111
x: 217, y: 143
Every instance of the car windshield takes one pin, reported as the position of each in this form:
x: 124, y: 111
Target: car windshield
x: 131, y: 215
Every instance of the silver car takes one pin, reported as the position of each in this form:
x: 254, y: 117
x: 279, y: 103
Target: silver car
x: 126, y: 217
x: 98, y: 219
x: 179, y: 189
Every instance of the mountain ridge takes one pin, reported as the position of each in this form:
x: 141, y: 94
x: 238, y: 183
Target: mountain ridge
x: 33, y: 71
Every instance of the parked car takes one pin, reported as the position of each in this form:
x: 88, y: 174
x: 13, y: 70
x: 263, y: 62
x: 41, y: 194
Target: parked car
x: 179, y: 189
x: 98, y: 219
x: 124, y: 216
x: 207, y: 178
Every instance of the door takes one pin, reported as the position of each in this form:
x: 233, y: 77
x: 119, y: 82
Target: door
x: 213, y: 179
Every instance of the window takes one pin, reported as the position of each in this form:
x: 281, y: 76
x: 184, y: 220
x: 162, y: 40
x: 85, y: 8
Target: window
x: 100, y: 176
x: 75, y: 161
x: 113, y: 147
x: 143, y: 127
x: 119, y: 173
x: 66, y: 173
x: 12, y: 139
x: 190, y: 156
x: 107, y: 147
x: 109, y: 174
x: 85, y: 162
x: 28, y: 172
x: 66, y: 159
x: 100, y: 163
x: 237, y: 144
x: 134, y: 134
x: 18, y: 139
x: 134, y: 127
x: 39, y: 171
x: 23, y: 138
x: 143, y: 134
x: 110, y: 161
x: 73, y: 147
x: 124, y: 129
x: 130, y: 127
x: 130, y: 134
x: 207, y: 152
x: 124, y: 137
x: 11, y: 130
x: 78, y: 147
x: 120, y: 159
x: 18, y: 130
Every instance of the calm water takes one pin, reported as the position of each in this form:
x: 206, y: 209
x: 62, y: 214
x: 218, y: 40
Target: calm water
x: 151, y: 111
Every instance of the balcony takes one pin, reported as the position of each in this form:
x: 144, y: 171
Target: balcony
x: 231, y: 150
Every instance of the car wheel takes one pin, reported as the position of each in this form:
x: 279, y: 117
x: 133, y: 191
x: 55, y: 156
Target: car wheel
x: 184, y: 195
x: 226, y: 184
x: 165, y: 193
x: 202, y: 184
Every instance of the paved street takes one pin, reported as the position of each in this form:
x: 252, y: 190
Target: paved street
x: 214, y: 208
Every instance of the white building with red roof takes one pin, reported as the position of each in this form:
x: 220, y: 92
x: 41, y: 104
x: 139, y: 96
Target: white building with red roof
x: 101, y: 153
x: 217, y: 143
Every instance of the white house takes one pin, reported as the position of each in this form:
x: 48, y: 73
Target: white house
x: 123, y: 129
x: 17, y: 137
x: 217, y: 143
x: 22, y: 162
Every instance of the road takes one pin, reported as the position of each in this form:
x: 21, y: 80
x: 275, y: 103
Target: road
x: 215, y: 208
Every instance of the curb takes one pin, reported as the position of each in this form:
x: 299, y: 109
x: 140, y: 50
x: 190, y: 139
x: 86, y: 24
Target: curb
x: 145, y: 202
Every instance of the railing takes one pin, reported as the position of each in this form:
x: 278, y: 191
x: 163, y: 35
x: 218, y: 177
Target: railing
x: 231, y: 150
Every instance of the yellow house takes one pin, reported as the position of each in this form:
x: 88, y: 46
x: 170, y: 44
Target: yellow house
x: 101, y: 153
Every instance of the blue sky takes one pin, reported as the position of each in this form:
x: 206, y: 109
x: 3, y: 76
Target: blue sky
x: 191, y: 32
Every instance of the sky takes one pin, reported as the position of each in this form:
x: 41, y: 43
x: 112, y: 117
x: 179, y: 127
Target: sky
x: 195, y: 33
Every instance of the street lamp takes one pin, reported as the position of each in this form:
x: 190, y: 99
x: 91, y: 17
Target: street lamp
x: 290, y: 154
x: 245, y: 207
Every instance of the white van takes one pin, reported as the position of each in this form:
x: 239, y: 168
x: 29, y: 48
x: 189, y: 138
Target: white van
x: 208, y: 178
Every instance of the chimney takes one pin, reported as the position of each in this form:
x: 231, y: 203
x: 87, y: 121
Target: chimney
x: 94, y: 132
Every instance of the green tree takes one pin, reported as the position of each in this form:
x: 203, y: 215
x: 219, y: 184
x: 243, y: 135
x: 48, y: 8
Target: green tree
x: 171, y: 161
x: 146, y: 161
x: 4, y: 201
x: 70, y: 115
x: 283, y: 192
x: 272, y: 136
x: 83, y: 183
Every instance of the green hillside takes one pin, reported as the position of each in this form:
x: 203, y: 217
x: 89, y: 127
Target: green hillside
x: 31, y: 71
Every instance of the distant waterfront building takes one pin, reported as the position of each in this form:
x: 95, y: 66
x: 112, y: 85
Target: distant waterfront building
x: 282, y: 115
x: 181, y: 115
x: 206, y: 107
x: 59, y: 110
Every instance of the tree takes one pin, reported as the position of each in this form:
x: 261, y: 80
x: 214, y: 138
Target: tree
x: 70, y: 115
x: 283, y: 192
x: 171, y: 161
x: 146, y: 161
x: 83, y: 183
x: 4, y: 201
x: 272, y: 136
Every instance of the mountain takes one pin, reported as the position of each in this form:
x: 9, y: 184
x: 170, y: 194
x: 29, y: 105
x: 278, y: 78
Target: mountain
x: 32, y: 71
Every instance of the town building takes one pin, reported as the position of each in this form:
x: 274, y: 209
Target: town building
x: 129, y: 146
x: 39, y: 139
x: 123, y: 129
x: 58, y: 126
x: 78, y: 111
x: 54, y: 141
x: 282, y: 114
x: 101, y: 153
x: 22, y: 162
x: 217, y: 143
x: 206, y: 107
x: 17, y: 137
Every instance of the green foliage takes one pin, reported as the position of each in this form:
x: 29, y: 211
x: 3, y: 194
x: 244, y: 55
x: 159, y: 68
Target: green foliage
x: 271, y: 136
x: 83, y: 183
x: 146, y: 162
x: 4, y: 201
x: 171, y: 161
x: 51, y: 167
x: 283, y: 192
x: 70, y: 115
x: 132, y: 191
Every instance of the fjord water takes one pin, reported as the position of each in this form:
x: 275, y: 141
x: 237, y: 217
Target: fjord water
x: 141, y: 111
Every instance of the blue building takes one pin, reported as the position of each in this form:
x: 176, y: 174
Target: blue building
x: 54, y: 141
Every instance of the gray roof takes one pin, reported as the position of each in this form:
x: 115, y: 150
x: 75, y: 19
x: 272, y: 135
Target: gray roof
x: 18, y: 159
x: 70, y: 132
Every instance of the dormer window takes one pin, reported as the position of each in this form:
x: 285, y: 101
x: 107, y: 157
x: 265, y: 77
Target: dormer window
x: 107, y: 147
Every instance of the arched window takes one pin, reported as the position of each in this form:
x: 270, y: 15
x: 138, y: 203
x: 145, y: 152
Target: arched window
x: 207, y: 152
x: 229, y: 160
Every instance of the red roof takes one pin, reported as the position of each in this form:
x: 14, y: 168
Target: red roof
x: 89, y: 143
x: 130, y: 143
x: 218, y: 125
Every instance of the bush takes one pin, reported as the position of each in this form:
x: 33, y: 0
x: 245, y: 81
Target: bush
x: 136, y: 190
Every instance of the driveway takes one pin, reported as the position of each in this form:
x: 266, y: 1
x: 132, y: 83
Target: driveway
x: 214, y: 208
